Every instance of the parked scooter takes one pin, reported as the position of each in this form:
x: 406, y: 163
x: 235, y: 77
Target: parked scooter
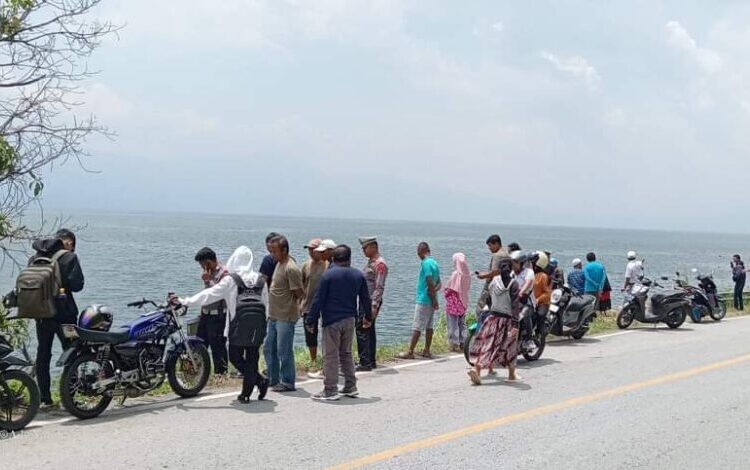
x: 19, y: 393
x: 705, y: 298
x: 569, y: 314
x: 670, y: 306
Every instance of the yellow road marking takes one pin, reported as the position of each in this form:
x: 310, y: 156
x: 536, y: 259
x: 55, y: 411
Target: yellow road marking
x: 533, y: 413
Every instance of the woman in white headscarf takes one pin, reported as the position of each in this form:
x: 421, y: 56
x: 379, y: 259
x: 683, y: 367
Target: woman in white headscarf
x: 245, y: 359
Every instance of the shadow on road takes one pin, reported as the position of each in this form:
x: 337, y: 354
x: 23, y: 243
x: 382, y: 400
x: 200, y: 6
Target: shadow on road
x: 501, y: 381
x: 352, y: 401
x: 570, y: 342
x: 535, y: 364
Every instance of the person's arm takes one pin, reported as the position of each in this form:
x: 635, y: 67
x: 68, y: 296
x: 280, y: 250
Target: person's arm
x: 365, y: 303
x: 432, y: 292
x: 381, y: 273
x: 211, y: 295
x: 320, y: 299
x: 604, y: 280
x: 74, y: 274
x: 294, y: 276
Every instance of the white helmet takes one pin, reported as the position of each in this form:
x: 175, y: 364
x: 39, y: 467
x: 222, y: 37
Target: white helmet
x: 632, y: 255
x: 543, y: 260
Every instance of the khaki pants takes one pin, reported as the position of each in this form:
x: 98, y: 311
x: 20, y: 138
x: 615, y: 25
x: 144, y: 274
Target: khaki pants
x: 337, y: 352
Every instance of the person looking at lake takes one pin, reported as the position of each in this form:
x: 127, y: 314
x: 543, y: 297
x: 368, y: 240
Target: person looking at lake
x: 428, y: 285
x: 633, y: 272
x: 498, y: 255
x: 739, y: 276
x: 496, y: 343
x: 594, y: 275
x: 456, y: 301
x: 268, y: 264
x: 62, y: 245
x: 312, y: 272
x: 213, y: 317
x: 342, y: 301
x: 576, y: 279
x: 375, y: 272
x: 283, y: 300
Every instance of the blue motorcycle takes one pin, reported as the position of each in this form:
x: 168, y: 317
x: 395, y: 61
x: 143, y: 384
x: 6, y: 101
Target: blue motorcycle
x: 131, y: 360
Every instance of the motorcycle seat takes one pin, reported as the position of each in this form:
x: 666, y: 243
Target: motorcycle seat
x: 111, y: 337
x: 581, y: 302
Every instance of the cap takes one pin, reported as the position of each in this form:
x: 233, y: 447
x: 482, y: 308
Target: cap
x: 326, y: 244
x: 577, y: 261
x: 631, y: 254
x: 314, y: 243
x: 364, y: 241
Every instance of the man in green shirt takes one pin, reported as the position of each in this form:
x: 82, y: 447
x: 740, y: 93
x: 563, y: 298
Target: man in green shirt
x: 428, y: 286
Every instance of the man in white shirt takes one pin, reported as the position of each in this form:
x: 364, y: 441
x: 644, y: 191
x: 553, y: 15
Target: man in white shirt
x: 633, y: 271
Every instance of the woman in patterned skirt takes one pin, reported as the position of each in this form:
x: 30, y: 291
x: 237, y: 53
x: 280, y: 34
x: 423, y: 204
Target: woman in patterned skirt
x: 496, y: 343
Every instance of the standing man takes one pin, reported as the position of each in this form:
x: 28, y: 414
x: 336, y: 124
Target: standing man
x: 499, y: 256
x: 633, y: 271
x: 312, y: 272
x: 595, y: 275
x: 213, y: 317
x: 375, y: 273
x: 428, y: 286
x: 283, y: 300
x: 343, y: 301
x: 62, y: 247
x: 268, y: 264
x: 326, y: 248
x: 576, y: 279
x: 739, y: 276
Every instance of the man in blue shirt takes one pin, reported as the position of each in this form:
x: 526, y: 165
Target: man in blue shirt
x: 268, y: 265
x: 341, y: 299
x: 576, y: 279
x: 595, y: 275
x: 428, y: 286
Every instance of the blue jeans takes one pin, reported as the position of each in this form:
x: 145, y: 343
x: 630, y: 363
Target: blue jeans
x: 279, y: 352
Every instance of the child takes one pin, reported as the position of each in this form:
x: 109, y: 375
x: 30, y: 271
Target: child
x: 456, y: 300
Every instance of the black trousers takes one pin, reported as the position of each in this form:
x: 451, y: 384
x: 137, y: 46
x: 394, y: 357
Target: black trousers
x: 46, y: 330
x: 211, y: 331
x: 245, y: 360
x: 367, y: 344
x: 739, y: 287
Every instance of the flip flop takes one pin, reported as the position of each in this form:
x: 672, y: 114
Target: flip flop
x: 474, y: 377
x: 425, y: 355
x: 405, y: 355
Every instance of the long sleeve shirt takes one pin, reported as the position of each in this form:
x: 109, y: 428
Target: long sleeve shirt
x: 542, y: 289
x: 375, y: 273
x: 576, y: 281
x: 342, y: 293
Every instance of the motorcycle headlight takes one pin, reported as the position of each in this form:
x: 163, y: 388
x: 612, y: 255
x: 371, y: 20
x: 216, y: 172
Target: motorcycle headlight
x: 556, y: 295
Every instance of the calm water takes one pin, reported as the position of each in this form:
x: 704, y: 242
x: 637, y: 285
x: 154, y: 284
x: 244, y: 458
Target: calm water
x: 129, y: 256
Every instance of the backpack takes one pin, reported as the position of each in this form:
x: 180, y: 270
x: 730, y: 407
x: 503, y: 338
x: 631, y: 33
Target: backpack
x: 248, y: 327
x: 502, y: 303
x: 37, y: 286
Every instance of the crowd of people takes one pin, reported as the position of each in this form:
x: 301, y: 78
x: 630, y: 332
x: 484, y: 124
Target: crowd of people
x: 340, y: 304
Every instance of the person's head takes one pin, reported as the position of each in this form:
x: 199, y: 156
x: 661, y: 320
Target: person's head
x: 632, y: 255
x: 577, y: 263
x: 494, y: 243
x: 737, y: 258
x: 423, y: 250
x: 326, y: 249
x: 541, y: 262
x: 369, y: 246
x: 514, y: 247
x: 459, y: 263
x: 518, y: 260
x: 342, y: 255
x: 311, y: 246
x: 68, y: 238
x: 206, y: 257
x: 279, y: 248
x: 590, y: 257
x: 270, y: 237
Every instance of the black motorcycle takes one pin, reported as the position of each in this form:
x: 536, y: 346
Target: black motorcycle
x: 705, y: 297
x: 669, y: 306
x: 19, y: 393
x: 569, y: 314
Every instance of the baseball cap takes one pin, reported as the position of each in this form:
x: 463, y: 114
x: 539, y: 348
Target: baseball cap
x: 576, y: 262
x: 314, y: 243
x: 326, y: 244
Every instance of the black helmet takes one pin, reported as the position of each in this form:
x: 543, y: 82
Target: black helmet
x: 95, y: 317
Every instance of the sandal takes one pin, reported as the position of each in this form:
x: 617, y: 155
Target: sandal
x: 425, y: 355
x: 406, y: 355
x: 474, y: 377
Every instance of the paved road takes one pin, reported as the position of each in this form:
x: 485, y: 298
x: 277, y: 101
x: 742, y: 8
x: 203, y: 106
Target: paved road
x: 650, y: 398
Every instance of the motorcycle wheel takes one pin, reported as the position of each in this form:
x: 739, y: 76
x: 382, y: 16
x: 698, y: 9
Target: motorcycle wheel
x: 625, y: 317
x: 720, y: 312
x: 472, y: 332
x: 578, y: 334
x: 75, y: 383
x: 676, y: 317
x: 19, y: 400
x: 540, y: 341
x: 188, y: 380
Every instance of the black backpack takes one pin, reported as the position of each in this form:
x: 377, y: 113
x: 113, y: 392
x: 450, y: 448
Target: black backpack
x: 248, y: 327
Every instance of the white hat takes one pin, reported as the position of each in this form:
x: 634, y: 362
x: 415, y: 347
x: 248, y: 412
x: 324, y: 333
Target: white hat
x: 576, y: 262
x: 632, y: 255
x: 326, y: 244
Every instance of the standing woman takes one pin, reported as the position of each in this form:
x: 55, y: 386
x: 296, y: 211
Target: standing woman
x: 497, y: 340
x: 456, y: 301
x: 739, y: 276
x: 605, y: 297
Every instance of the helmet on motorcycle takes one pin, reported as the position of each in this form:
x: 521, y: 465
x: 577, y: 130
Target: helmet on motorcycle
x: 542, y: 260
x: 95, y: 317
x: 632, y: 255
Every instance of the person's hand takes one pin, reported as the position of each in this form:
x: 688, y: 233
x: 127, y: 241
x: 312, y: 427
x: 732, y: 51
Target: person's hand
x: 366, y: 323
x: 310, y: 329
x: 514, y: 333
x: 206, y: 276
x: 375, y: 311
x: 435, y: 305
x: 173, y: 299
x: 524, y: 298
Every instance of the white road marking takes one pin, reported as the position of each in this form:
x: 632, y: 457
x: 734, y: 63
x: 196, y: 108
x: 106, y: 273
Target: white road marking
x: 619, y: 333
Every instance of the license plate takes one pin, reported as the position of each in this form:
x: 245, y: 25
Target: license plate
x: 554, y: 308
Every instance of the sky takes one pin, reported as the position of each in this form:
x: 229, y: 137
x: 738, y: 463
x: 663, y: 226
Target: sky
x: 581, y: 113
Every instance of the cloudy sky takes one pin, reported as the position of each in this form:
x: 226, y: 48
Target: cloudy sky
x: 615, y: 114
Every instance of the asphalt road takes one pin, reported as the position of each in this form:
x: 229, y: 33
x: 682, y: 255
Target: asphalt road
x: 649, y: 398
